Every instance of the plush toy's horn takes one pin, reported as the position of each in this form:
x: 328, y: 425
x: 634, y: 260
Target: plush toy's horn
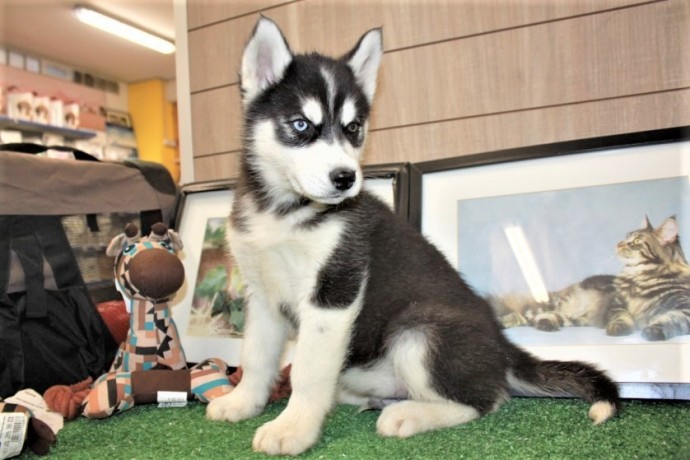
x: 160, y: 232
x: 130, y: 235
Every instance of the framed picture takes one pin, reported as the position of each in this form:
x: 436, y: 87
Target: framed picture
x: 391, y: 183
x: 121, y: 142
x: 551, y: 236
x: 209, y: 309
x: 208, y: 314
x: 117, y: 118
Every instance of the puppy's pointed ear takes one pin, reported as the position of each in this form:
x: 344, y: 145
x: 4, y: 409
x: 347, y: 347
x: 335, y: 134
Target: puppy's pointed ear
x: 265, y: 58
x: 364, y: 60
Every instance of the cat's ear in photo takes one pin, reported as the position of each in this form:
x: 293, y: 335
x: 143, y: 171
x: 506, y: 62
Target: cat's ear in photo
x: 667, y: 232
x: 646, y: 224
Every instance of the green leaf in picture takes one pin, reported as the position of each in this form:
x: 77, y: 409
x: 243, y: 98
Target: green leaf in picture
x: 220, y: 304
x: 237, y: 314
x: 216, y: 280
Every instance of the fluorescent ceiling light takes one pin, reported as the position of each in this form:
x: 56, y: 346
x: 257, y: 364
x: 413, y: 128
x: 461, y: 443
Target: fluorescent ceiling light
x: 122, y: 30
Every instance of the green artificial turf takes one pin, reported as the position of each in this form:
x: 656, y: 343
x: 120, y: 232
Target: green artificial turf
x: 528, y: 428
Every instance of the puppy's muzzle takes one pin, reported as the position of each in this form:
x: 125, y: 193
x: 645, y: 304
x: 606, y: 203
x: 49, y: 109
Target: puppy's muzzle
x: 343, y: 179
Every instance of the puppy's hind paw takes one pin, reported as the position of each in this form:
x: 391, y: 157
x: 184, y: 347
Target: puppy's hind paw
x: 232, y: 407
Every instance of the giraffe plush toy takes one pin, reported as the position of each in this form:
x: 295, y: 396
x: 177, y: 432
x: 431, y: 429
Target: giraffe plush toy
x: 147, y: 273
x: 150, y: 360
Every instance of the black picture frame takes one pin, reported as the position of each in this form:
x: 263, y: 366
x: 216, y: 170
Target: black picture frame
x: 396, y: 177
x: 643, y: 370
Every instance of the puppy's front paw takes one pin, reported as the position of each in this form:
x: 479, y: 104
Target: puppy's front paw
x: 286, y: 436
x: 233, y: 407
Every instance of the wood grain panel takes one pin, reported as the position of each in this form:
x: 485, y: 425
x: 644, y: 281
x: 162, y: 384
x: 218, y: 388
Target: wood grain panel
x: 203, y: 12
x: 216, y: 121
x: 630, y: 51
x: 530, y: 127
x: 222, y: 166
x: 503, y: 131
x: 333, y: 27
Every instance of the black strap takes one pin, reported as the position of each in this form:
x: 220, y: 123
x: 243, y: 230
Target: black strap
x: 11, y: 350
x: 25, y: 244
x: 92, y: 222
x: 5, y: 222
x: 35, y: 238
x: 148, y: 218
x: 57, y: 251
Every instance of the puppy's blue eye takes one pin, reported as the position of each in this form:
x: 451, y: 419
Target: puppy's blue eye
x: 300, y: 125
x: 353, y: 127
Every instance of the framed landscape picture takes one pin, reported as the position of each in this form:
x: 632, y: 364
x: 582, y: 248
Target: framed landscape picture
x: 208, y: 309
x: 578, y: 248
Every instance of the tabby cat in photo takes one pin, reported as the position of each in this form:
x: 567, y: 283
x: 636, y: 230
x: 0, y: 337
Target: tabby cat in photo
x: 586, y: 303
x: 653, y: 288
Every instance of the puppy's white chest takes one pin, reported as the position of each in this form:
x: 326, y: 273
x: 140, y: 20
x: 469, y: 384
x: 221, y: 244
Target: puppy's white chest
x: 282, y: 257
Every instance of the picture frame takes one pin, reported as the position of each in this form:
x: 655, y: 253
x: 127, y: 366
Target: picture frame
x: 208, y: 309
x: 525, y: 225
x: 121, y: 141
x: 391, y: 183
x: 203, y: 204
x: 117, y: 118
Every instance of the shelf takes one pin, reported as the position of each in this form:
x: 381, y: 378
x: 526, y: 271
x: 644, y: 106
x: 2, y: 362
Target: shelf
x: 30, y: 126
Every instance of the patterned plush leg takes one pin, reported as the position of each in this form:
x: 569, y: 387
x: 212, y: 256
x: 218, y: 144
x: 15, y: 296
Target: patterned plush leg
x: 209, y: 380
x: 111, y: 394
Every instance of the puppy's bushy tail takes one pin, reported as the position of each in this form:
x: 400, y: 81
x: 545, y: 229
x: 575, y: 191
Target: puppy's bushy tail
x: 531, y: 376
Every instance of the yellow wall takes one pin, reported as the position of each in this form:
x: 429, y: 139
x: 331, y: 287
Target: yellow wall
x: 154, y: 124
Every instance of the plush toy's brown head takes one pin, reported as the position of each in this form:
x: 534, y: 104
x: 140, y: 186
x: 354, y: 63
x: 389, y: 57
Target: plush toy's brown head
x: 147, y: 267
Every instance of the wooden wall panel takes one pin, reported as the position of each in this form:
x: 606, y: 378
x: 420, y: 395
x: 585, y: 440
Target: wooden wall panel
x: 333, y: 27
x: 222, y: 166
x: 462, y: 77
x: 203, y: 12
x: 530, y: 127
x: 216, y: 121
x: 586, y: 58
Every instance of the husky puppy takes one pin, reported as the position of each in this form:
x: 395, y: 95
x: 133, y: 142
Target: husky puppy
x: 380, y: 315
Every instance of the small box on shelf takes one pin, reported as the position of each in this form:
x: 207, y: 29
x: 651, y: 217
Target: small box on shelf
x: 71, y: 115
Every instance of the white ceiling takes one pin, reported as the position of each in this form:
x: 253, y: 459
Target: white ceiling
x: 48, y: 29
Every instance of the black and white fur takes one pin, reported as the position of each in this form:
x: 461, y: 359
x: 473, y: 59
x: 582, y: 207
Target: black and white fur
x: 379, y: 313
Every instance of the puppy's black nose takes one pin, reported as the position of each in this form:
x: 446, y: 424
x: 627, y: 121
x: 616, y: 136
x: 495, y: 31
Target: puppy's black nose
x: 343, y: 179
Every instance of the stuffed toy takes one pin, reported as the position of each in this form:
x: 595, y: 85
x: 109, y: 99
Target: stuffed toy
x: 150, y: 360
x: 26, y: 421
x: 116, y: 392
x: 147, y: 273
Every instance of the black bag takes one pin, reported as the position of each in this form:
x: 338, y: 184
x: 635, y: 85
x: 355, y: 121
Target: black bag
x: 50, y: 330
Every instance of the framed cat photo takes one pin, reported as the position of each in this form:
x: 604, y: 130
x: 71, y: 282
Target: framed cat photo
x: 578, y: 247
x: 209, y: 309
